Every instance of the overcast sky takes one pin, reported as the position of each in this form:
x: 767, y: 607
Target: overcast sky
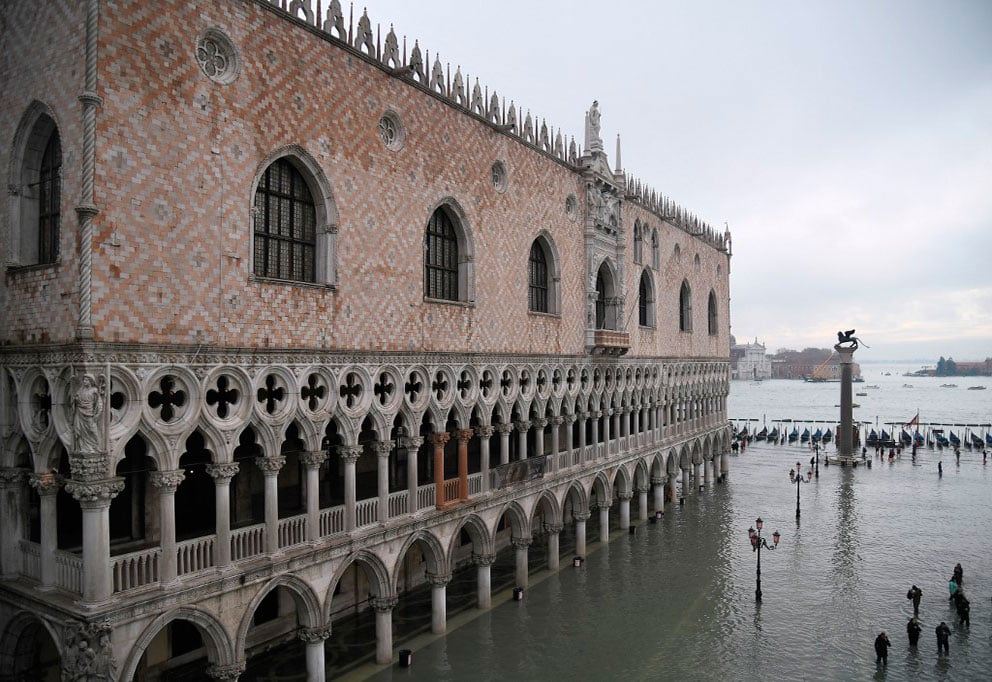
x: 848, y: 144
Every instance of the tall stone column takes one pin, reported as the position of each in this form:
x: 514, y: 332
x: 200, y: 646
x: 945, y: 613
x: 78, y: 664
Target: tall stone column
x: 554, y: 533
x: 706, y: 474
x: 642, y: 503
x: 604, y: 522
x: 504, y: 442
x: 413, y: 444
x: 671, y: 486
x: 439, y: 440
x: 607, y: 430
x: 521, y: 545
x: 47, y: 485
x: 625, y: 509
x: 658, y: 485
x: 617, y: 427
x: 846, y: 354
x: 582, y: 416
x: 539, y: 424
x: 716, y: 466
x: 270, y: 467
x: 382, y: 450
x: 222, y: 474
x: 594, y: 416
x: 94, y: 497
x: 685, y: 481
x: 725, y: 465
x: 483, y: 578
x: 312, y: 461
x: 383, y: 607
x: 570, y: 419
x: 580, y: 532
x: 12, y: 504
x: 314, y: 639
x: 464, y: 436
x: 439, y: 602
x: 556, y: 423
x: 166, y: 483
x: 349, y: 454
x: 485, y: 433
x: 522, y: 428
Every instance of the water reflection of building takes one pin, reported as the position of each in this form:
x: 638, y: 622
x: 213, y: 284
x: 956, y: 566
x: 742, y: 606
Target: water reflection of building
x: 295, y: 324
x: 749, y: 361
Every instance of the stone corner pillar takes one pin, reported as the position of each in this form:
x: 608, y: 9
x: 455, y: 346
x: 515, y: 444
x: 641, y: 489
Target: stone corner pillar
x: 383, y: 607
x: 270, y: 467
x: 222, y: 473
x: 314, y: 639
x: 94, y: 498
x: 166, y: 482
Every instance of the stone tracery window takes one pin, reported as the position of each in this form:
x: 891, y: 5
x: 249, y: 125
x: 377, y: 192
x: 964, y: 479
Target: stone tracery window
x: 285, y: 225
x: 441, y: 258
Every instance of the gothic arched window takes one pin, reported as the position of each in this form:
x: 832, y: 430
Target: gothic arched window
x: 645, y: 301
x: 441, y: 258
x: 285, y: 225
x: 685, y: 308
x: 711, y: 314
x: 537, y: 296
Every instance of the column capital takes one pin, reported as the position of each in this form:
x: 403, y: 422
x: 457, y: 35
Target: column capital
x: 504, y: 428
x: 12, y: 477
x: 47, y: 483
x: 317, y: 634
x: 350, y: 453
x: 522, y: 425
x: 626, y: 495
x: 603, y: 506
x: 581, y: 516
x: 555, y: 528
x: 464, y: 435
x: 414, y: 442
x: 167, y: 481
x: 596, y: 414
x: 642, y: 489
x: 558, y: 421
x: 540, y: 422
x: 610, y: 412
x: 223, y: 472
x: 313, y: 458
x: 270, y: 466
x: 225, y: 672
x: 384, y: 447
x: 520, y: 543
x: 483, y: 559
x: 437, y: 580
x: 583, y: 415
x: 485, y: 431
x: 383, y: 604
x: 95, y: 494
x: 570, y: 418
x: 440, y: 438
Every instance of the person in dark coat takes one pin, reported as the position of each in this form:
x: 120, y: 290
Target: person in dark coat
x: 882, y: 645
x: 915, y: 593
x: 913, y: 630
x: 958, y: 574
x: 964, y: 611
x: 943, y: 638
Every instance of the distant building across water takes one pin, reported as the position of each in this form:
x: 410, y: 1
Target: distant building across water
x: 749, y: 361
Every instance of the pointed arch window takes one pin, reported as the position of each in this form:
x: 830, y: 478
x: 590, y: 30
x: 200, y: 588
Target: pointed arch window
x: 645, y: 301
x: 441, y: 258
x: 49, y: 192
x: 711, y: 314
x: 600, y: 301
x: 537, y: 296
x: 285, y: 225
x: 685, y: 308
x: 36, y: 190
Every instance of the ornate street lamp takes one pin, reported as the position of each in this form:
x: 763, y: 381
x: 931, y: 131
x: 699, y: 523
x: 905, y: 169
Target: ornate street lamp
x: 796, y: 476
x: 757, y: 542
x: 816, y: 447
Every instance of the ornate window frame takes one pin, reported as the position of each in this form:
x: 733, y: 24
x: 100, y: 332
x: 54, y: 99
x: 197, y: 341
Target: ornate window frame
x: 465, y: 294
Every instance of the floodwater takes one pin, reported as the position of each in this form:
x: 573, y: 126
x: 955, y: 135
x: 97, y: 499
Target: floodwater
x: 675, y: 601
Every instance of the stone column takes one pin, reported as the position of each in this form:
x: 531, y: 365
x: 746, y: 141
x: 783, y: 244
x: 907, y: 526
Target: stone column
x: 504, y: 442
x: 12, y: 504
x: 658, y: 485
x: 706, y: 474
x: 483, y: 563
x: 582, y: 417
x: 539, y: 424
x: 556, y: 423
x: 439, y: 440
x: 715, y: 463
x: 464, y: 436
x: 225, y: 673
x: 642, y: 503
x: 314, y: 639
x: 594, y: 416
x: 485, y: 433
x: 47, y: 485
x: 607, y: 430
x: 413, y: 444
x: 270, y: 467
x: 439, y: 603
x: 312, y: 461
x: 570, y: 419
x: 846, y: 444
x: 382, y: 450
x: 166, y: 482
x: 604, y: 522
x: 580, y: 532
x: 94, y: 497
x: 617, y: 426
x: 671, y: 486
x: 349, y: 454
x: 685, y: 481
x: 554, y: 532
x: 521, y: 545
x: 522, y: 428
x: 625, y: 510
x: 383, y: 607
x: 222, y: 474
x: 725, y: 465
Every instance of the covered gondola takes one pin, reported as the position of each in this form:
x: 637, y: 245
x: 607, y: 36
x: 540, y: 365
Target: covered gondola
x: 905, y: 439
x: 804, y: 438
x: 794, y: 435
x: 953, y: 439
x: 872, y: 440
x: 817, y: 435
x: 761, y: 435
x: 828, y: 436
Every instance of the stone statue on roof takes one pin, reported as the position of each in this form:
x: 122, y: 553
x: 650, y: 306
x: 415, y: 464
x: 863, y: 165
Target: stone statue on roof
x: 593, y: 141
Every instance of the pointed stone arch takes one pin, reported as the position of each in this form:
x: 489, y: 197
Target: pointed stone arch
x: 11, y: 636
x: 519, y: 520
x: 478, y: 531
x: 216, y: 640
x: 307, y: 602
x: 437, y: 558
x: 378, y: 573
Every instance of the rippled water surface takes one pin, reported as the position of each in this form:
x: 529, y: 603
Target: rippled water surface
x: 676, y: 600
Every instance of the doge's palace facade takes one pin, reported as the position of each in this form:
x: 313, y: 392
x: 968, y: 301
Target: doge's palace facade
x: 297, y: 322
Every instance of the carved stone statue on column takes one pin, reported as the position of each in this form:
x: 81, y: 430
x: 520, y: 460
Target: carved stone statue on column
x: 594, y: 142
x: 87, y: 396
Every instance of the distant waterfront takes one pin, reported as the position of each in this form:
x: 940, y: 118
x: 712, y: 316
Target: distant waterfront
x: 675, y: 601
